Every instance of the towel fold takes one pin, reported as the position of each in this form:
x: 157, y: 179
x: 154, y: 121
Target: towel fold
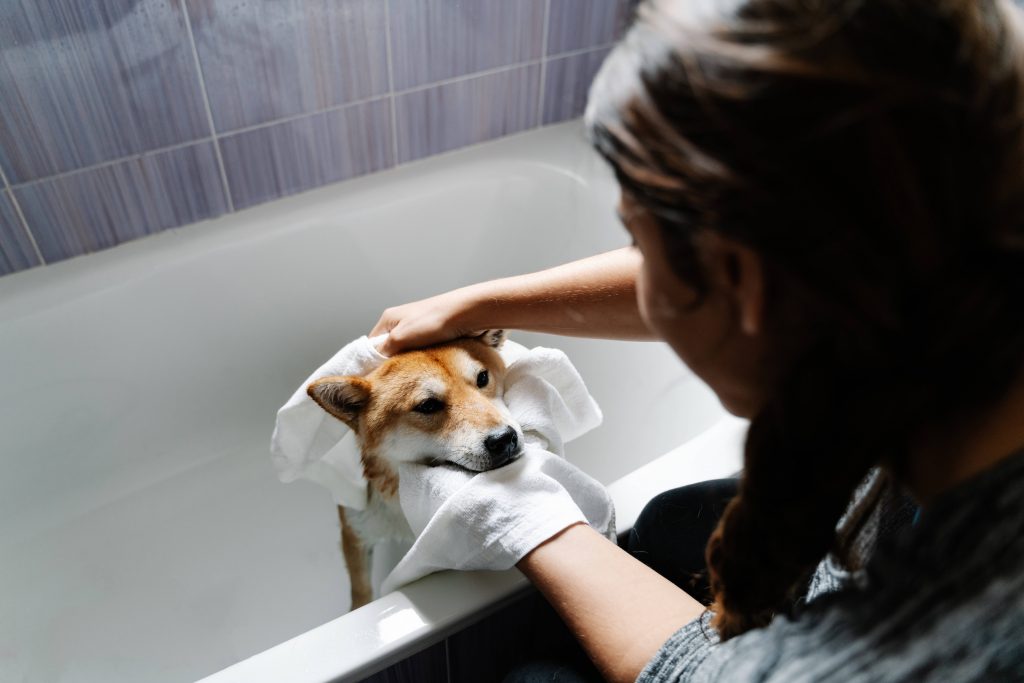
x: 543, y: 392
x: 309, y: 443
x: 491, y: 520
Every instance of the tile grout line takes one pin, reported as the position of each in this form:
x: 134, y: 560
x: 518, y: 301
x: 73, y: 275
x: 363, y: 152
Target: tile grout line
x: 391, y: 82
x: 326, y: 110
x: 467, y: 77
x: 499, y: 69
x: 417, y: 88
x: 543, y: 63
x: 113, y: 162
x: 206, y: 104
x: 582, y: 50
x: 21, y: 218
x: 296, y: 117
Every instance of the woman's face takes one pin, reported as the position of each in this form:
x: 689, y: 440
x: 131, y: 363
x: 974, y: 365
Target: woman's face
x: 707, y: 332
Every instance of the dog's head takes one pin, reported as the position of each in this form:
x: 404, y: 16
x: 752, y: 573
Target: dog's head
x: 437, y: 405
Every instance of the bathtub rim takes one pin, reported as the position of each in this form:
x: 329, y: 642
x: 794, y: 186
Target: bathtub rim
x: 556, y: 149
x: 459, y: 599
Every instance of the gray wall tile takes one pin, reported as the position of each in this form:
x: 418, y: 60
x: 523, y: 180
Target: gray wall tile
x: 285, y: 158
x: 98, y: 208
x: 16, y: 252
x: 271, y: 59
x: 87, y: 82
x: 578, y: 24
x: 465, y: 112
x: 437, y: 39
x: 567, y: 82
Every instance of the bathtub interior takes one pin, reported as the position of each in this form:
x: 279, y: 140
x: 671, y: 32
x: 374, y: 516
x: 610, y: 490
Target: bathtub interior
x: 144, y: 533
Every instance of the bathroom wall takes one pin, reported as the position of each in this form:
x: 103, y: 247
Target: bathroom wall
x: 123, y: 118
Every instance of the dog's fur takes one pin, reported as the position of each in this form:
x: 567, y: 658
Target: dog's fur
x: 437, y: 405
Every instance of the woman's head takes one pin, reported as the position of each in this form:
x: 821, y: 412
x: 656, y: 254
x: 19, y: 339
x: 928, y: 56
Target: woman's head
x: 829, y: 197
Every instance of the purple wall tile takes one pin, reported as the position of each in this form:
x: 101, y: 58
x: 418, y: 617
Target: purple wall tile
x: 432, y: 40
x: 465, y: 112
x: 98, y: 208
x: 579, y: 24
x: 566, y: 84
x: 89, y: 90
x: 87, y: 82
x: 298, y: 155
x: 16, y: 252
x: 267, y: 60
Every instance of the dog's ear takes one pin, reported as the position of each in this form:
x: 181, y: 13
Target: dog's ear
x: 493, y: 338
x: 342, y: 397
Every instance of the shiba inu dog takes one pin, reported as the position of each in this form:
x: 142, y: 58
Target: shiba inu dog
x: 433, y: 406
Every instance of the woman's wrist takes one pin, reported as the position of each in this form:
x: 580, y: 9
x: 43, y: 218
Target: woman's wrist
x: 478, y: 308
x: 621, y: 610
x: 495, y: 305
x: 536, y: 557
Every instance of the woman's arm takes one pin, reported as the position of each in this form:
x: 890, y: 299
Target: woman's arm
x: 620, y: 610
x: 592, y: 297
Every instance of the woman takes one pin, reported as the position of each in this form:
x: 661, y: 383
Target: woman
x: 827, y: 204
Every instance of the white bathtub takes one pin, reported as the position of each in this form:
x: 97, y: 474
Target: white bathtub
x: 144, y: 535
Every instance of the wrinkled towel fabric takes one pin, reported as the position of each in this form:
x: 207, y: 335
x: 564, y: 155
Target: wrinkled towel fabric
x: 543, y: 392
x: 491, y: 520
x: 309, y: 443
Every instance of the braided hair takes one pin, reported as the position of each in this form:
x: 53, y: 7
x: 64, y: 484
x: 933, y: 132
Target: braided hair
x: 872, y: 153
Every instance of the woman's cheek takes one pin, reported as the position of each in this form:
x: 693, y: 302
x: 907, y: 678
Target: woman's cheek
x: 641, y: 296
x: 657, y: 310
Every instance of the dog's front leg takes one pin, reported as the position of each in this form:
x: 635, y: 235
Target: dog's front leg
x: 357, y: 558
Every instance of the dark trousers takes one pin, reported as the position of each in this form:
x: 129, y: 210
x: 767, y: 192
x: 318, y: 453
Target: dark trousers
x: 669, y: 537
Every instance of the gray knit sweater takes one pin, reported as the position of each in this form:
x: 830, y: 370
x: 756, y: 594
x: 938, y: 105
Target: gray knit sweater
x: 941, y: 600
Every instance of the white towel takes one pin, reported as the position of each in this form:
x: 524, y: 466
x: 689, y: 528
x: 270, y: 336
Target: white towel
x: 309, y: 443
x: 543, y: 392
x: 491, y: 520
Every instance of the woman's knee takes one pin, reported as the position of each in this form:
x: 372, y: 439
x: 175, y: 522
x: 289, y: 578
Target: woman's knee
x: 675, y: 516
x: 672, y: 531
x: 549, y: 671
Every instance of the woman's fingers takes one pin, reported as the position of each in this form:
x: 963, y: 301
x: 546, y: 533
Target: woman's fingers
x: 421, y: 323
x: 412, y: 331
x: 415, y: 333
x: 396, y: 341
x: 387, y: 321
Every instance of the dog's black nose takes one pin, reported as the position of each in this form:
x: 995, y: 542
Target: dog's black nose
x: 502, y: 445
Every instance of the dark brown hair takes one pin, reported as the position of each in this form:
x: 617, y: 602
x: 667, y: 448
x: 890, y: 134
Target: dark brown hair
x: 872, y: 153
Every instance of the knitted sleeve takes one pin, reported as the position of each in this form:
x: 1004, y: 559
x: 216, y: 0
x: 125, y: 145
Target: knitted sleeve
x: 681, y: 655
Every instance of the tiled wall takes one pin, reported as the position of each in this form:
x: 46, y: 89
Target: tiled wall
x: 122, y: 118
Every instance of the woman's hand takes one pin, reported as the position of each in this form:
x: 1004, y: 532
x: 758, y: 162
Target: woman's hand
x: 435, y: 320
x: 523, y: 514
x: 620, y: 610
x: 490, y: 520
x: 592, y: 297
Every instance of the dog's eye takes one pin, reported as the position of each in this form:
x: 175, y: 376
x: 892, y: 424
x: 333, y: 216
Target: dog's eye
x: 482, y: 379
x: 429, y: 406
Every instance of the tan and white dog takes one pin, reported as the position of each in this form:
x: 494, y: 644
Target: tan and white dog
x: 440, y: 405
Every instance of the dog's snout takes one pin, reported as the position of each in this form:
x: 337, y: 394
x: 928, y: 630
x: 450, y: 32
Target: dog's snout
x: 502, y: 445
